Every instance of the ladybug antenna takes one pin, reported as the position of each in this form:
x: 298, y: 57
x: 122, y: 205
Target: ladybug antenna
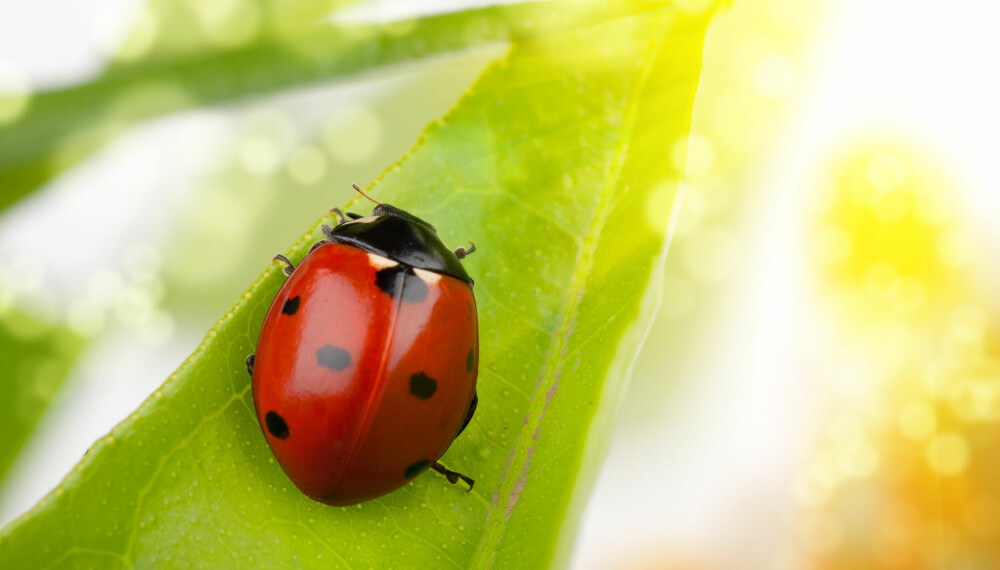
x: 365, y: 195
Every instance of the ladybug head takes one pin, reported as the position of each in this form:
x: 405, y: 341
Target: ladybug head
x: 388, y: 210
x: 400, y: 236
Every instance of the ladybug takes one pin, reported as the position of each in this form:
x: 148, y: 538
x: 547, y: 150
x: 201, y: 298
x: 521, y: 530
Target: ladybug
x: 366, y: 366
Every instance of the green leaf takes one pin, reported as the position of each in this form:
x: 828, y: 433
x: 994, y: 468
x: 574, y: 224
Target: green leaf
x: 36, y: 357
x: 560, y: 165
x: 61, y: 128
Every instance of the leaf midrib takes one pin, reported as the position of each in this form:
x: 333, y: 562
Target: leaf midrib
x: 544, y: 391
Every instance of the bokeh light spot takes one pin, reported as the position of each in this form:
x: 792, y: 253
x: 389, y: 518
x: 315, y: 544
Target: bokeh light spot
x: 968, y: 323
x: 886, y: 172
x: 85, y: 317
x: 228, y: 23
x: 133, y: 305
x: 660, y: 204
x: 157, y: 329
x: 774, y: 77
x: 138, y: 101
x: 693, y: 210
x: 956, y: 248
x: 891, y: 207
x: 144, y: 33
x: 962, y: 350
x: 977, y: 400
x: 858, y: 459
x: 25, y: 274
x: 845, y: 428
x: 307, y: 165
x: 947, y: 453
x: 680, y: 296
x: 907, y: 296
x: 714, y: 258
x: 695, y: 154
x: 105, y: 285
x: 259, y: 154
x: 917, y: 420
x: 353, y: 134
x: 142, y: 260
x: 791, y: 15
x: 15, y: 93
x: 738, y: 123
x: 399, y: 28
x: 893, y: 203
x: 879, y: 280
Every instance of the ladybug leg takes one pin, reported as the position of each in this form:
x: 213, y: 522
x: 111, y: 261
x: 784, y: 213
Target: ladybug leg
x: 462, y: 252
x: 472, y: 411
x: 316, y: 245
x: 343, y: 216
x: 289, y: 268
x: 340, y: 215
x: 250, y: 360
x: 452, y: 476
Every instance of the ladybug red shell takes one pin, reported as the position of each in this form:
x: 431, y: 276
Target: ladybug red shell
x: 365, y: 370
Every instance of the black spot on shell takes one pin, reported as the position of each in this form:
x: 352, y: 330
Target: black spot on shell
x: 385, y: 279
x: 333, y: 357
x: 389, y: 279
x: 276, y: 425
x: 416, y: 469
x: 470, y: 360
x: 291, y: 305
x: 422, y: 385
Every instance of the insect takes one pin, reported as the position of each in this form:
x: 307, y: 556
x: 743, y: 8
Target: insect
x: 365, y: 370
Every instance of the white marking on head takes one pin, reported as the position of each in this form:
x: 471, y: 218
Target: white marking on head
x: 379, y: 262
x: 428, y: 277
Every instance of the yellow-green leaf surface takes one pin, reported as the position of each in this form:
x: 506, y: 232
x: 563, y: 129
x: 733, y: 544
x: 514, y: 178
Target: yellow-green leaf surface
x: 36, y: 357
x: 59, y: 128
x: 558, y: 165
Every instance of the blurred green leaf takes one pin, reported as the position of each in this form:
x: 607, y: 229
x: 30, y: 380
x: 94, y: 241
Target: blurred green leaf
x: 36, y: 357
x: 557, y: 164
x: 168, y: 28
x: 61, y: 128
x: 221, y: 239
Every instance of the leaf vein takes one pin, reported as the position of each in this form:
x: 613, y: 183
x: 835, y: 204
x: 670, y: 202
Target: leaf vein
x: 141, y: 495
x: 515, y: 478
